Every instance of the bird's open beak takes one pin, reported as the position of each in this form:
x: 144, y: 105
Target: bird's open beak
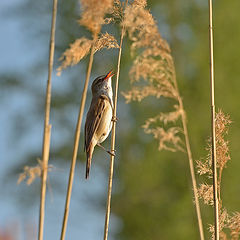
x: 109, y: 75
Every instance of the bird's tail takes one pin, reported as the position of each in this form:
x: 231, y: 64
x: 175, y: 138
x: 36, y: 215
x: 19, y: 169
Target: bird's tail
x: 88, y: 163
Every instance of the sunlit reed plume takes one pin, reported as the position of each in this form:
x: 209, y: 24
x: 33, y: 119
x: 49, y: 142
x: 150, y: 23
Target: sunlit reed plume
x: 81, y: 48
x: 229, y: 224
x: 153, y: 74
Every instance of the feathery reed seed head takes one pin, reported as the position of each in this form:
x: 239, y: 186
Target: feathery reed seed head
x: 31, y: 173
x: 154, y: 65
x: 75, y: 53
x: 205, y: 191
x: 93, y: 12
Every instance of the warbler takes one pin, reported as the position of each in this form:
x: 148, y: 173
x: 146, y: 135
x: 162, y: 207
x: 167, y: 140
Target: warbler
x: 99, y: 118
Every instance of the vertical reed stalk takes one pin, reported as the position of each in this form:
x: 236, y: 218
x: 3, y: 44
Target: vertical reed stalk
x: 187, y: 142
x: 214, y: 158
x: 108, y: 205
x: 191, y: 166
x: 47, y: 126
x: 76, y: 141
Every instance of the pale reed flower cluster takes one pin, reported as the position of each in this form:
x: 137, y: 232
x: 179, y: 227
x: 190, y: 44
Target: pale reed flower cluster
x: 223, y: 156
x: 234, y: 225
x: 81, y: 48
x: 31, y: 173
x: 205, y: 192
x: 227, y: 223
x: 75, y: 53
x: 93, y: 12
x: 116, y: 12
x: 223, y: 224
x: 153, y: 74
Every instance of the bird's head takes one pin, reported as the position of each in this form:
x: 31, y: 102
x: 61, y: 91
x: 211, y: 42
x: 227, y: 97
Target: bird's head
x: 103, y: 84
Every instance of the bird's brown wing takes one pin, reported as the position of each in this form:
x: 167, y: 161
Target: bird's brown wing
x: 94, y: 118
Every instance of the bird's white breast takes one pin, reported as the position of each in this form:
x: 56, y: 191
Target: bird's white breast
x: 105, y: 125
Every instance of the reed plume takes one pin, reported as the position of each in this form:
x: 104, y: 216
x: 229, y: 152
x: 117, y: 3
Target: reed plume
x: 29, y: 174
x: 155, y: 66
x: 229, y: 224
x: 81, y: 48
x: 153, y: 74
x: 93, y: 13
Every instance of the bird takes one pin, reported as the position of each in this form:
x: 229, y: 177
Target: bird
x: 99, y: 118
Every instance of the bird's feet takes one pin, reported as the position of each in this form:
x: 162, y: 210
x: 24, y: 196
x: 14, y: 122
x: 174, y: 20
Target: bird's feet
x: 112, y: 153
x: 114, y: 119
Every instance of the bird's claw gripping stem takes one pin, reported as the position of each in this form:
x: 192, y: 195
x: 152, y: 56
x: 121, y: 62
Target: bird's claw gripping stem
x: 114, y: 119
x: 112, y: 153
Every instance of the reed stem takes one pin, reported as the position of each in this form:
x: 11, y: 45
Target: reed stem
x: 214, y: 157
x: 113, y: 137
x: 190, y: 159
x: 76, y: 141
x: 191, y: 166
x: 47, y: 126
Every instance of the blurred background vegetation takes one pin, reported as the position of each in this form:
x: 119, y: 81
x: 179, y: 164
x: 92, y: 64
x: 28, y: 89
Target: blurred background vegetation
x: 152, y: 190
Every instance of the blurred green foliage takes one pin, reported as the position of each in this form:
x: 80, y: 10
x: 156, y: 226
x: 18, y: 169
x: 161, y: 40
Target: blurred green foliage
x: 152, y: 190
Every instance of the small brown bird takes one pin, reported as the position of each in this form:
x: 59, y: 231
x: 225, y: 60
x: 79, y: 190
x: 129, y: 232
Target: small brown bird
x: 99, y: 117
